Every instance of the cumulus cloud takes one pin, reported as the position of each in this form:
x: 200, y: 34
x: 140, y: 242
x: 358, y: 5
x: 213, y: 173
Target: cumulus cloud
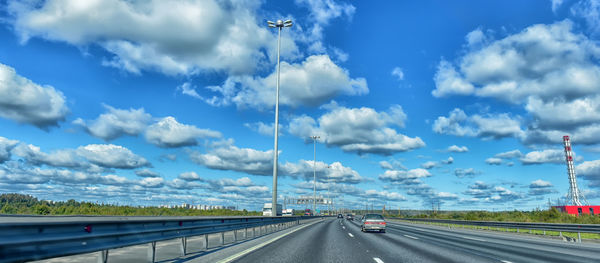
x: 549, y: 69
x: 24, y: 101
x: 190, y: 176
x: 359, y: 130
x: 116, y: 123
x: 544, y: 156
x: 112, y: 156
x: 482, y: 192
x: 310, y: 83
x: 493, y: 161
x: 210, y: 35
x: 384, y: 195
x: 489, y: 126
x: 590, y: 171
x: 404, y: 177
x: 457, y: 149
x: 168, y: 133
x: 469, y: 172
x: 226, y: 156
x: 398, y: 73
x: 541, y: 187
x: 323, y: 11
x: 6, y: 147
x: 509, y: 154
x: 146, y: 173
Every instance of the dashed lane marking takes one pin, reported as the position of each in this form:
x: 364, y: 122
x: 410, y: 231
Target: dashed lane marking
x: 411, y: 237
x: 378, y: 260
x: 476, y: 239
x: 350, y: 234
x: 343, y: 227
x: 505, y: 261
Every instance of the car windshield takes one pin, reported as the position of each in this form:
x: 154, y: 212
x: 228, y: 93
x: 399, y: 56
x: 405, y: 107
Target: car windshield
x: 373, y: 217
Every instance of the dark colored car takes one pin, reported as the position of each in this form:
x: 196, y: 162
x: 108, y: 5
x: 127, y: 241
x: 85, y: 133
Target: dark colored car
x: 350, y: 217
x: 340, y: 216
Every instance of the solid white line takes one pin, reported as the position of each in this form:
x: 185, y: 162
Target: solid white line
x: 411, y: 237
x: 472, y: 238
x: 378, y: 260
x: 505, y: 261
x: 350, y: 234
x: 238, y: 255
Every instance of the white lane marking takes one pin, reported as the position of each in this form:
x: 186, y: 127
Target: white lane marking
x: 343, y: 227
x: 411, y: 237
x: 476, y: 239
x: 505, y: 261
x: 378, y: 260
x: 350, y: 234
x: 238, y: 255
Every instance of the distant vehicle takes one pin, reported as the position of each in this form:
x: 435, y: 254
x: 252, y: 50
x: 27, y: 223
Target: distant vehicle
x: 308, y: 212
x: 373, y: 222
x: 267, y: 211
x: 349, y: 217
x: 288, y: 212
x: 340, y: 216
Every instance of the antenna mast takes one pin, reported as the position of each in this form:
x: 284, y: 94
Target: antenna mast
x: 574, y: 194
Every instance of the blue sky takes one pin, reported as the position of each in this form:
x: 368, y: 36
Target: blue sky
x: 163, y: 102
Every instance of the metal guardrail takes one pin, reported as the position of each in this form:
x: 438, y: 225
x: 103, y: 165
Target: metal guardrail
x: 41, y: 240
x: 574, y: 228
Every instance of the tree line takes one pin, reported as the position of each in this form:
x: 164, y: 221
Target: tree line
x: 19, y: 204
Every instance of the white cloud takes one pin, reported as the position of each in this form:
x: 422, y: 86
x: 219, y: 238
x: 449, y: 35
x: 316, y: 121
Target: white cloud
x: 263, y: 128
x: 590, y: 170
x: 549, y: 69
x: 152, y: 182
x: 493, y: 161
x: 314, y: 81
x: 509, y: 154
x: 6, y: 147
x: 450, y: 160
x: 398, y: 73
x: 469, y: 172
x: 112, y: 156
x: 404, y: 177
x: 457, y: 149
x: 360, y: 130
x: 146, y: 173
x: 210, y: 35
x: 482, y: 192
x: 545, y: 156
x: 227, y: 156
x: 556, y: 4
x: 489, y: 126
x: 24, y: 101
x: 190, y: 176
x: 169, y: 133
x: 116, y: 123
x: 384, y: 195
x: 323, y: 11
x: 541, y: 187
x: 429, y: 164
x: 589, y: 10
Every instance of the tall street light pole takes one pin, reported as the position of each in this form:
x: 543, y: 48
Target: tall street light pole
x: 279, y: 24
x: 314, y: 172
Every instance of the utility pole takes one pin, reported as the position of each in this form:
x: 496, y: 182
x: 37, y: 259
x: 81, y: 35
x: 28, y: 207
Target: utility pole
x: 314, y: 137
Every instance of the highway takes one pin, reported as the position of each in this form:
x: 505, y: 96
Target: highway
x: 340, y: 240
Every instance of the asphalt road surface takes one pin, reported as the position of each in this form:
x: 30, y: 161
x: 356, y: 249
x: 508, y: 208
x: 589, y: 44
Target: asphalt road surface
x: 340, y: 240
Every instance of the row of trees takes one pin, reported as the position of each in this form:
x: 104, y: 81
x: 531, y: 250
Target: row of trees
x: 542, y: 216
x: 29, y: 205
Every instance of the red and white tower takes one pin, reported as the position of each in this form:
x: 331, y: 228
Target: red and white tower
x: 574, y: 197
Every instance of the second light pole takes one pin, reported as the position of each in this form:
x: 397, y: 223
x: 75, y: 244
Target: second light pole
x: 279, y: 24
x: 314, y: 173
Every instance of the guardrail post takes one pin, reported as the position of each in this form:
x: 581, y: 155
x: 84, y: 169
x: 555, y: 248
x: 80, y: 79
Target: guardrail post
x: 103, y: 257
x: 205, y: 241
x: 234, y: 236
x: 518, y: 230
x: 560, y: 233
x: 578, y: 237
x: 544, y: 232
x: 152, y: 252
x: 183, y: 246
x: 222, y: 238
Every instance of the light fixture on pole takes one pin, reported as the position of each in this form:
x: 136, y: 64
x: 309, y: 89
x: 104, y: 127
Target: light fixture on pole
x: 315, y: 172
x: 279, y: 24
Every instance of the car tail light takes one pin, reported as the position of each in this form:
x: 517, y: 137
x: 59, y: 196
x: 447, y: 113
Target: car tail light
x: 382, y: 223
x: 368, y: 223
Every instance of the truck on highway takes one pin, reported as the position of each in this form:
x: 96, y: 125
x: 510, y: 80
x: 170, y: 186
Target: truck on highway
x: 268, y: 211
x: 288, y: 212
